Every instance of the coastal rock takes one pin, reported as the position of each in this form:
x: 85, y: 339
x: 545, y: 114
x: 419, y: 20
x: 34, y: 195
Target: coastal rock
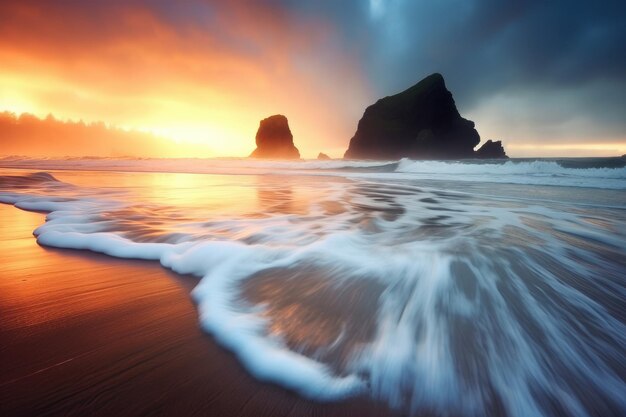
x: 274, y: 139
x: 491, y: 150
x: 323, y: 156
x: 421, y: 122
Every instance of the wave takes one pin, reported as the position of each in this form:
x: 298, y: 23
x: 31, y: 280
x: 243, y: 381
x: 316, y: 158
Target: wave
x: 529, y: 168
x: 198, y: 165
x: 433, y: 301
x: 537, y: 172
x: 608, y: 173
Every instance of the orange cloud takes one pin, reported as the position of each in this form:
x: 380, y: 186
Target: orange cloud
x: 203, y: 84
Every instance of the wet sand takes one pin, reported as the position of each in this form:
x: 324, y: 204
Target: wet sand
x: 85, y: 334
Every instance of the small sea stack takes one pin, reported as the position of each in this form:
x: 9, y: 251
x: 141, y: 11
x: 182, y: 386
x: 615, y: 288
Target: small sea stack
x: 323, y: 157
x: 491, y: 150
x: 274, y: 139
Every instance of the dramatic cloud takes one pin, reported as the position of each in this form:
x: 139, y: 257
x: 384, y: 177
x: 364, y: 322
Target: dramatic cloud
x: 545, y: 77
x: 550, y: 73
x: 207, y: 74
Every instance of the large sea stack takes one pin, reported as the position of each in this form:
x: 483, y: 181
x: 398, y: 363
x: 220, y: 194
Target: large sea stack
x: 274, y: 139
x: 420, y: 123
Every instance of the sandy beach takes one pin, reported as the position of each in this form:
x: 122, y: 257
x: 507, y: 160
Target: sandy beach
x: 85, y: 334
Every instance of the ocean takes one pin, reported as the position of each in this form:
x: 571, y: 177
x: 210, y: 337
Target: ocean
x: 453, y: 288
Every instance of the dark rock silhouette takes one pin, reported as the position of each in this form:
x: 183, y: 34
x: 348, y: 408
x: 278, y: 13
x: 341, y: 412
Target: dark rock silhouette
x: 274, y: 139
x: 491, y: 150
x: 421, y: 123
x: 323, y: 156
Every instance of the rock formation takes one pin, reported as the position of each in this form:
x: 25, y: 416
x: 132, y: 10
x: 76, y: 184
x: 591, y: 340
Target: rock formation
x: 274, y: 139
x: 421, y: 123
x: 323, y: 156
x: 491, y: 150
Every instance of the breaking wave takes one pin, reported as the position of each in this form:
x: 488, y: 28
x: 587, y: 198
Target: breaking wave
x: 608, y: 173
x: 538, y: 172
x: 434, y: 301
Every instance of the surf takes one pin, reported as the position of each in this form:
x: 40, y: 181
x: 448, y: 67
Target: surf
x: 428, y: 299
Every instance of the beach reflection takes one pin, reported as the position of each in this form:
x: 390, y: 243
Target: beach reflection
x: 192, y: 193
x: 16, y: 237
x: 315, y: 312
x: 275, y: 195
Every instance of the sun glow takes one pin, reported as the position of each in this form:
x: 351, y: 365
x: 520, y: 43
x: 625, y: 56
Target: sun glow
x: 206, y: 96
x: 203, y: 86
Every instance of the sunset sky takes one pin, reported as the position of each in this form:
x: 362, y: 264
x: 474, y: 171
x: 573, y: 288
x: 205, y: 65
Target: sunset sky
x: 547, y: 78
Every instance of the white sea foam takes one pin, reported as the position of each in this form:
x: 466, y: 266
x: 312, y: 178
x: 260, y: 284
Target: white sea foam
x: 483, y: 305
x: 222, y: 265
x: 515, y: 172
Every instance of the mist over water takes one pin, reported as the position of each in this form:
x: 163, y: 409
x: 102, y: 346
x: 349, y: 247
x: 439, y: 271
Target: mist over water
x: 448, y: 288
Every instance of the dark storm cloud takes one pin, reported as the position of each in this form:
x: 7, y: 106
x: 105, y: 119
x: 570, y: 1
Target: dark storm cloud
x: 560, y: 60
x: 483, y: 44
x: 568, y: 50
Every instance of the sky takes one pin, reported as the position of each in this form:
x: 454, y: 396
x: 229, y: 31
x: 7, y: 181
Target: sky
x: 546, y: 78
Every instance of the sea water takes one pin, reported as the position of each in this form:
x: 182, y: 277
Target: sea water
x: 452, y: 288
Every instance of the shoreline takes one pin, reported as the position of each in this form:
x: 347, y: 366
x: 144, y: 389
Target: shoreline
x: 87, y: 334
